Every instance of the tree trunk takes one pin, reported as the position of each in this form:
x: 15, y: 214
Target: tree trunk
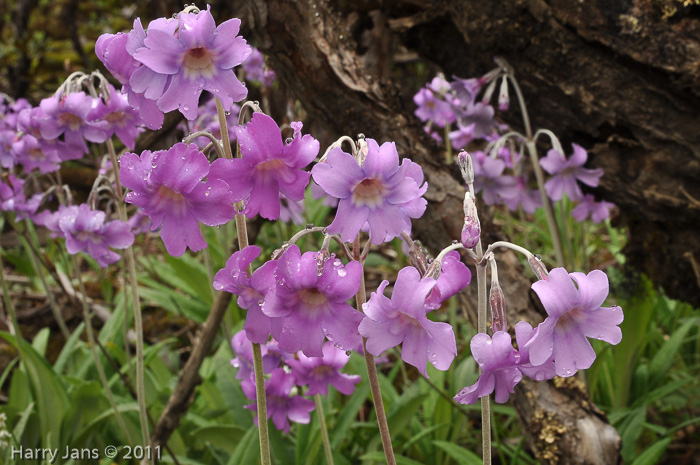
x: 335, y: 57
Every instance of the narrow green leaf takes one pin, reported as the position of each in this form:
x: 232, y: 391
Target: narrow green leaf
x: 461, y: 455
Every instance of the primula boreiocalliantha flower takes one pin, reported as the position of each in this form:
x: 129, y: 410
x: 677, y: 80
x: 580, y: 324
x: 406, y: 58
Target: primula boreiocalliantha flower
x: 307, y: 306
x: 268, y: 166
x: 201, y: 56
x: 379, y: 193
x: 566, y: 172
x: 403, y: 319
x: 319, y: 372
x: 250, y: 290
x: 85, y: 231
x: 280, y: 404
x: 575, y: 314
x: 168, y: 186
x: 498, y: 361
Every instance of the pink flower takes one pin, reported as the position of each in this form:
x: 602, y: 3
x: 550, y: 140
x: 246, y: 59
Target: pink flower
x: 379, y: 193
x: 250, y: 290
x: 403, y: 319
x: 308, y: 306
x: 498, y: 361
x: 201, y: 56
x: 575, y: 313
x: 319, y: 372
x: 281, y: 405
x: 168, y: 186
x: 566, y: 172
x: 85, y: 231
x: 268, y: 167
x: 598, y: 211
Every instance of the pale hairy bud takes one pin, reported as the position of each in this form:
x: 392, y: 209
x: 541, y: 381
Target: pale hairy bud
x: 471, y: 231
x: 418, y: 258
x: 464, y: 160
x: 538, y: 267
x: 498, y: 307
x: 503, y: 98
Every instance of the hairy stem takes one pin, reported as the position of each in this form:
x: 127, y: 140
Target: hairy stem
x: 136, y: 305
x: 324, y: 429
x: 361, y: 298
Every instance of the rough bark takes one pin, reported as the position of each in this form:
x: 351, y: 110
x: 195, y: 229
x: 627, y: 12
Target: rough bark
x: 333, y: 58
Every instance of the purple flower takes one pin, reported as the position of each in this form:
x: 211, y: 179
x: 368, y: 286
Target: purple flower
x: 243, y: 349
x: 68, y: 115
x: 480, y: 116
x: 280, y: 406
x: 598, y: 211
x: 319, y: 372
x: 13, y: 199
x: 380, y: 192
x: 291, y: 210
x: 201, y: 56
x: 307, y: 306
x: 454, y: 276
x: 208, y: 120
x: 268, y: 167
x: 250, y: 290
x: 255, y: 70
x: 168, y: 186
x: 116, y: 53
x: 523, y: 333
x: 403, y: 319
x: 29, y: 121
x: 119, y: 117
x: 85, y: 231
x: 529, y: 199
x: 30, y: 153
x: 566, y: 172
x: 575, y: 313
x: 498, y: 361
x: 433, y: 108
x: 489, y: 179
x: 139, y: 223
x: 462, y: 136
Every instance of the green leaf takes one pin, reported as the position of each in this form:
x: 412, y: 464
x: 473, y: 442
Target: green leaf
x: 41, y: 340
x: 653, y: 453
x: 247, y: 451
x: 663, y: 359
x: 378, y: 456
x: 49, y: 393
x: 460, y: 455
x: 348, y: 415
x: 225, y: 437
x: 67, y: 350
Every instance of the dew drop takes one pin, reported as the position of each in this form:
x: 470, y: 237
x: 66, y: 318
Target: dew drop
x: 342, y: 272
x: 338, y: 345
x: 186, y: 107
x: 337, y: 262
x: 261, y: 302
x: 455, y: 242
x: 348, y: 352
x: 130, y: 166
x: 480, y: 361
x: 218, y: 286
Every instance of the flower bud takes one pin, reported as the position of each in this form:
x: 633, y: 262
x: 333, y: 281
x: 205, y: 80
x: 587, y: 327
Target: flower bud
x: 418, y: 258
x: 503, y: 98
x: 538, y: 267
x: 471, y: 231
x: 498, y: 308
x: 464, y: 160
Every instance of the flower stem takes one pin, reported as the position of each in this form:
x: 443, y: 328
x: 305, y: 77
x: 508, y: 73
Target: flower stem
x: 30, y: 235
x: 539, y: 175
x: 242, y: 233
x: 136, y: 304
x: 9, y: 306
x: 361, y: 298
x: 448, y: 145
x: 96, y: 358
x: 481, y: 327
x: 324, y: 429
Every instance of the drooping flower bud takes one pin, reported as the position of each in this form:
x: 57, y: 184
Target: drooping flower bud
x: 464, y: 160
x: 538, y: 267
x: 417, y: 256
x: 471, y: 231
x: 503, y: 98
x: 497, y: 301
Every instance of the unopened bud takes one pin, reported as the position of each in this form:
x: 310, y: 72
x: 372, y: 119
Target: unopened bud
x: 362, y: 149
x: 433, y: 270
x: 538, y: 267
x: 464, y: 160
x: 471, y: 231
x: 323, y: 256
x: 489, y: 92
x: 418, y: 257
x: 498, y: 307
x: 503, y: 98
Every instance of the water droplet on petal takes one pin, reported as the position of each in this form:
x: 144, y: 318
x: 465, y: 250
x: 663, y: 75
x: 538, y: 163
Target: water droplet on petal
x: 480, y: 361
x: 218, y: 286
x: 342, y: 272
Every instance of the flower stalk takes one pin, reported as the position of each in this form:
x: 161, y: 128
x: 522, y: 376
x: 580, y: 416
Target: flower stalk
x: 324, y: 429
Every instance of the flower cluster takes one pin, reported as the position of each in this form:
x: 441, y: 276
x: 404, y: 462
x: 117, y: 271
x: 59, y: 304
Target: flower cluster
x: 288, y: 374
x: 558, y: 346
x: 443, y: 103
x: 168, y: 65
